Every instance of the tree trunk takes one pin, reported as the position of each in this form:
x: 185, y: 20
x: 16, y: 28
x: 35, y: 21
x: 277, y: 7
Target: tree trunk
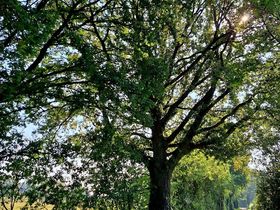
x: 220, y: 202
x: 160, y: 176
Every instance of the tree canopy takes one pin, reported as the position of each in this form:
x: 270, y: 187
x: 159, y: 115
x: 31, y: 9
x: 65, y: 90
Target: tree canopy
x: 158, y: 79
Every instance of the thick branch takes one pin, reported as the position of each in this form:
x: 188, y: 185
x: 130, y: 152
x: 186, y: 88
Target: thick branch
x: 42, y: 4
x: 203, y: 101
x: 209, y: 142
x: 222, y: 120
x: 195, y: 82
x: 204, y: 108
x: 49, y: 43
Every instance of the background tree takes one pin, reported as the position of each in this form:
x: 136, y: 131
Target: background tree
x: 267, y: 127
x: 163, y: 78
x: 268, y: 183
x: 201, y: 182
x: 12, y: 185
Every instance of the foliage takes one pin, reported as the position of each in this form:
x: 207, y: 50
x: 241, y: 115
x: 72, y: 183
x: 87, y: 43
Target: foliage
x: 267, y: 127
x: 268, y: 183
x: 76, y: 176
x: 145, y: 81
x: 11, y: 184
x: 202, y: 182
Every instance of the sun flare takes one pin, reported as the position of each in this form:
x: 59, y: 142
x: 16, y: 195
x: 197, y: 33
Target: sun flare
x: 244, y: 19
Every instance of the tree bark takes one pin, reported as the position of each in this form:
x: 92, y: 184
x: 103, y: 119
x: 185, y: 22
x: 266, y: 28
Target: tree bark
x: 160, y: 176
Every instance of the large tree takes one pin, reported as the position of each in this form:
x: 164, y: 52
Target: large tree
x: 162, y: 77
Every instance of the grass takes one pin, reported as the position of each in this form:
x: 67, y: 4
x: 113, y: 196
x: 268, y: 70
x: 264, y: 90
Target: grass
x: 20, y: 204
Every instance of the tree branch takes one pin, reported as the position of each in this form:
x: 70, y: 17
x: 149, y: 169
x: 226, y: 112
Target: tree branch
x: 202, y: 104
x: 49, y: 43
x: 222, y: 120
x: 195, y: 82
x: 204, y: 108
x: 210, y: 46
